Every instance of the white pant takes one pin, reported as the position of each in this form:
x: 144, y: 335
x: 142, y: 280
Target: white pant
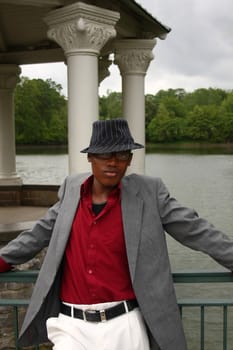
x: 125, y: 332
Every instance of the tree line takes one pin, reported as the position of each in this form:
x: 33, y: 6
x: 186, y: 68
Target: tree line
x: 174, y: 115
x: 40, y: 112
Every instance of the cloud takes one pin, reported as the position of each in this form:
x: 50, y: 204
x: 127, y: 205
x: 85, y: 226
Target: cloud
x: 199, y: 49
x: 198, y: 52
x: 55, y: 71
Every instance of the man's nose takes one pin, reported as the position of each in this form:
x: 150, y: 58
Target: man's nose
x: 112, y: 160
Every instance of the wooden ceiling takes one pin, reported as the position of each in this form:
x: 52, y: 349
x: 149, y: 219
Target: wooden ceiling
x: 23, y: 32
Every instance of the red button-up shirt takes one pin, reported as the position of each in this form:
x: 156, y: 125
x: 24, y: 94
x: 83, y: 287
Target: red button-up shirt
x: 96, y: 266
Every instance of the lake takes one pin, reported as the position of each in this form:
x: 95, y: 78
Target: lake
x: 201, y: 181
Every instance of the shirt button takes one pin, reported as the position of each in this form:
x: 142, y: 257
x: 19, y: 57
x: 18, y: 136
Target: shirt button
x: 90, y: 272
x: 92, y: 246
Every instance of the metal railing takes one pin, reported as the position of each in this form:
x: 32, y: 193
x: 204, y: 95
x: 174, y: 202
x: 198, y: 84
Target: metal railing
x: 17, y: 277
x: 190, y: 277
x: 201, y: 303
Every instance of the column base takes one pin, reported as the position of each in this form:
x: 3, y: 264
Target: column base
x: 11, y: 181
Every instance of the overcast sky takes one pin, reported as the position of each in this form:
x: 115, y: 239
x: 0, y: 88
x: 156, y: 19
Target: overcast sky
x: 197, y: 53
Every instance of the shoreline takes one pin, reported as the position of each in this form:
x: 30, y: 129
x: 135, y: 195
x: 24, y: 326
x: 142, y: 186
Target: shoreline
x: 176, y: 147
x: 191, y: 147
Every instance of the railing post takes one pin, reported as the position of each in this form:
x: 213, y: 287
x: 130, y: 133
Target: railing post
x: 225, y: 327
x: 202, y: 327
x: 16, y: 326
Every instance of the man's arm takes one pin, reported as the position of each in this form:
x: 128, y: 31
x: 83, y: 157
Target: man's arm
x: 30, y: 242
x: 188, y: 228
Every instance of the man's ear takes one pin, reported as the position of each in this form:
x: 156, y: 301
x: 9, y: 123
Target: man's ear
x: 89, y: 157
x: 130, y: 159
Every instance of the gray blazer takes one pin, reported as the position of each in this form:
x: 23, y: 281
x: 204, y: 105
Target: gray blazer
x: 148, y: 212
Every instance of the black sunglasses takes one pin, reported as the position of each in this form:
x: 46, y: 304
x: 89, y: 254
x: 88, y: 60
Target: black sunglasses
x: 124, y: 155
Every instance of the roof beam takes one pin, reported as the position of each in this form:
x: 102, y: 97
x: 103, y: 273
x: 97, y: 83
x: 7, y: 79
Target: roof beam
x: 2, y: 43
x: 37, y: 3
x: 30, y: 57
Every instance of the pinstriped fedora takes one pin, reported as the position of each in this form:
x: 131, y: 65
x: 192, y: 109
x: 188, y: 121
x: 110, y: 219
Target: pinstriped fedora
x: 111, y: 136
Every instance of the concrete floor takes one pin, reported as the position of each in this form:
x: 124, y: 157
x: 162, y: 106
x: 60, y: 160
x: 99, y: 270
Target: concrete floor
x: 17, y: 214
x: 14, y: 220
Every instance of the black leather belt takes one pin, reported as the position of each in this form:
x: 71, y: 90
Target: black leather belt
x: 98, y: 315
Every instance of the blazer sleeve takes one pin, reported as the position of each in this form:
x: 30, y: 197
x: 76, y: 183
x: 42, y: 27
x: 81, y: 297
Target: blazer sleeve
x: 188, y: 228
x: 30, y: 242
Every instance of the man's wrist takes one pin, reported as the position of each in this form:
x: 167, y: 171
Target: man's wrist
x: 4, y: 266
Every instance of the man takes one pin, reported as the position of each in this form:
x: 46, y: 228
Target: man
x: 106, y: 283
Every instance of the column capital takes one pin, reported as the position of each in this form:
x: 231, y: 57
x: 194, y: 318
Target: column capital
x: 81, y: 28
x: 133, y: 56
x: 9, y: 76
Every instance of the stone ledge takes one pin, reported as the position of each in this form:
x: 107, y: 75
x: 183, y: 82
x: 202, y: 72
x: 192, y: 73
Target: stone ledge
x: 31, y: 195
x: 11, y: 231
x: 39, y: 195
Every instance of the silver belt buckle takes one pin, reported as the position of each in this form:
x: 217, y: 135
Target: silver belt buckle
x: 84, y: 315
x: 89, y: 311
x: 103, y: 316
x: 85, y: 312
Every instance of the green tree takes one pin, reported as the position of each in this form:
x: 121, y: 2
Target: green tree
x: 110, y: 106
x: 226, y: 111
x: 204, y: 123
x: 204, y: 97
x: 174, y: 106
x: 164, y: 127
x: 40, y: 112
x: 151, y: 107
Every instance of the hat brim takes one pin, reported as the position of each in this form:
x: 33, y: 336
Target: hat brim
x: 113, y: 148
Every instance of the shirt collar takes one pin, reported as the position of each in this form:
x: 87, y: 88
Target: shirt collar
x: 85, y: 190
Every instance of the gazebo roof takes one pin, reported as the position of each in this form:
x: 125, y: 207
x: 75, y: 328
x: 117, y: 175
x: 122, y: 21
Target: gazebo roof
x: 23, y: 32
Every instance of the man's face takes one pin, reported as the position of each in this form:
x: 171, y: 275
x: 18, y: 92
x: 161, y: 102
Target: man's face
x: 109, y: 168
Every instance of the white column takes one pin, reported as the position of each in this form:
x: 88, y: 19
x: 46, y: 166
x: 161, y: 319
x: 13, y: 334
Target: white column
x: 81, y: 30
x: 133, y: 58
x: 9, y: 76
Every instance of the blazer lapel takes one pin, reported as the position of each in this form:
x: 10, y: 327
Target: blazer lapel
x: 132, y: 208
x: 66, y: 217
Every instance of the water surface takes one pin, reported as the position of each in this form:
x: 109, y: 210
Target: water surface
x: 200, y: 181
